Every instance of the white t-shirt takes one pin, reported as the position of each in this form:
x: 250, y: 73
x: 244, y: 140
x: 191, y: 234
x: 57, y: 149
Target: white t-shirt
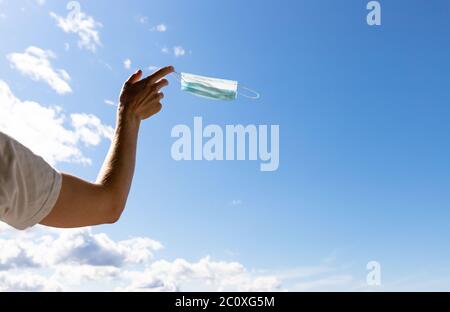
x: 29, y: 187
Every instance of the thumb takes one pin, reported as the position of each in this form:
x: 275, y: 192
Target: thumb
x: 135, y: 77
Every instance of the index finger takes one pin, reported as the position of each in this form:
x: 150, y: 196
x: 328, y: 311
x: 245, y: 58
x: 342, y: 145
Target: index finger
x: 160, y: 74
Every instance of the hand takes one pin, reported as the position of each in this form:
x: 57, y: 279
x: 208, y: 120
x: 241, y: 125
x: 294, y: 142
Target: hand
x: 141, y: 99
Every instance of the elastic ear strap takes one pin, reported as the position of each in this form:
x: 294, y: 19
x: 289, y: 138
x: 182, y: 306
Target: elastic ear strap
x: 255, y: 95
x: 177, y: 75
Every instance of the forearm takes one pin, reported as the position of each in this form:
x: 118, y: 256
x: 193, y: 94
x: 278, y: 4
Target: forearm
x: 81, y: 203
x: 117, y: 172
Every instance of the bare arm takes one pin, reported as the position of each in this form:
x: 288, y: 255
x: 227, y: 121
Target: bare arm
x: 81, y: 203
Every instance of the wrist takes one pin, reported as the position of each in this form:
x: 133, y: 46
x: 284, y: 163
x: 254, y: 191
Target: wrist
x: 128, y: 118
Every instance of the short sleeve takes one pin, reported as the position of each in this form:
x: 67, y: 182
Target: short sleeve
x: 29, y: 186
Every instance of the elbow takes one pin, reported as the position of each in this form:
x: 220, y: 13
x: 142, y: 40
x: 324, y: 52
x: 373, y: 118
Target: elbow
x: 113, y: 205
x: 114, y: 214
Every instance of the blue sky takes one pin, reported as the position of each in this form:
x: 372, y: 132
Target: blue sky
x: 364, y: 171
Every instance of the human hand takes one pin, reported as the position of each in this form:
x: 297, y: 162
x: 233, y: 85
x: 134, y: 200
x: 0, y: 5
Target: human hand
x: 141, y: 99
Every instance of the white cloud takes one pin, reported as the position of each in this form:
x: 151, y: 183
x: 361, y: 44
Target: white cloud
x: 208, y: 275
x: 45, y: 131
x: 3, y: 226
x: 90, y: 130
x: 84, y: 26
x: 82, y: 247
x: 159, y: 28
x: 14, y: 256
x: 46, y: 248
x: 176, y: 50
x: 26, y: 282
x: 35, y: 63
x: 143, y: 19
x: 111, y: 103
x: 153, y: 68
x: 77, y: 274
x: 40, y: 2
x: 127, y: 64
x: 106, y: 65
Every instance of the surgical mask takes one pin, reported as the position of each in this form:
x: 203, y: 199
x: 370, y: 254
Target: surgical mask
x: 213, y: 88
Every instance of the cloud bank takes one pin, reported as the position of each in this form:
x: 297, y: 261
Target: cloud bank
x: 46, y: 259
x: 70, y: 258
x: 47, y: 131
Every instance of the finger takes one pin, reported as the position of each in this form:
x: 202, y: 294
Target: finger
x: 152, y: 97
x: 160, y: 74
x: 156, y: 97
x: 135, y: 77
x: 152, y: 89
x: 161, y: 84
x: 152, y: 110
x: 148, y: 84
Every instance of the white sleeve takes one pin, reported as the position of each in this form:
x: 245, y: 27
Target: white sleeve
x: 29, y: 187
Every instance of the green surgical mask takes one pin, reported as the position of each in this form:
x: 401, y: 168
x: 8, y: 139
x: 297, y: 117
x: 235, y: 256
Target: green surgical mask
x: 213, y: 88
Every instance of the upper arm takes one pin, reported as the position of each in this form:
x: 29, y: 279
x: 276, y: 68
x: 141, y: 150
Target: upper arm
x: 80, y: 204
x: 29, y: 186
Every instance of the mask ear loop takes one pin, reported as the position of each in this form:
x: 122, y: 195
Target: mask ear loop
x: 255, y: 95
x: 177, y: 75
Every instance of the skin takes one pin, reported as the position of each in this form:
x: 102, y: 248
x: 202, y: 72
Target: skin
x: 81, y: 203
